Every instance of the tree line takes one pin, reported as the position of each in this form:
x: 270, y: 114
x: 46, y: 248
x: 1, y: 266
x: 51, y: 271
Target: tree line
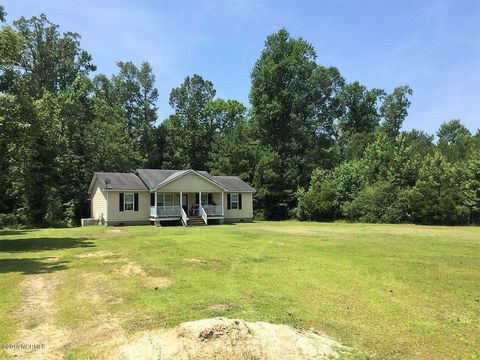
x: 313, y: 145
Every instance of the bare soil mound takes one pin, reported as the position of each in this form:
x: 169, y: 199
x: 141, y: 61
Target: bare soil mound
x: 222, y: 338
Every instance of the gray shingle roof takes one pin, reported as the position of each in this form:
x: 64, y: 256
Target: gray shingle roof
x: 233, y: 183
x: 146, y: 179
x: 154, y: 177
x: 120, y: 181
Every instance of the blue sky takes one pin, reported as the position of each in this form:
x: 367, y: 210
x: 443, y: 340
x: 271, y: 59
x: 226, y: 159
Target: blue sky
x: 433, y: 46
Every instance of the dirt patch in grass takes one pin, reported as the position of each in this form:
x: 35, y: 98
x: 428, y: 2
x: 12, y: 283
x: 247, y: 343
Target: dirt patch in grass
x: 289, y: 230
x: 152, y: 282
x: 36, y: 319
x: 206, y: 264
x: 97, y: 254
x: 222, y: 338
x: 157, y: 282
x: 94, y: 287
x: 131, y: 270
x: 220, y: 307
x: 195, y: 261
x: 115, y: 231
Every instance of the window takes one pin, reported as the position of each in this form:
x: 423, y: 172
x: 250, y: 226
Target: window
x: 168, y: 199
x: 165, y: 200
x: 234, y: 201
x: 204, y: 199
x: 128, y: 202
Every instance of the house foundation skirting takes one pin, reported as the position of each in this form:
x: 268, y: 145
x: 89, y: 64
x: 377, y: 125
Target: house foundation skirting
x: 127, y: 223
x: 236, y: 220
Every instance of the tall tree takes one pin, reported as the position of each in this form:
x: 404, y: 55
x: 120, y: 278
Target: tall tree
x: 394, y: 110
x: 32, y: 169
x: 76, y: 115
x: 294, y: 103
x: 454, y: 140
x: 438, y: 196
x: 359, y: 119
x: 3, y: 14
x: 40, y: 63
x: 225, y: 115
x: 189, y: 134
x: 50, y: 60
x: 235, y: 152
x: 361, y: 113
x: 135, y: 88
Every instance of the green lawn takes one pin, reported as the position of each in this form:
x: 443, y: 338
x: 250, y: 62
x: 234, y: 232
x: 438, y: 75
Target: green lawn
x: 387, y: 291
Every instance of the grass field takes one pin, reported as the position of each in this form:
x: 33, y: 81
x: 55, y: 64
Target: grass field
x: 387, y: 291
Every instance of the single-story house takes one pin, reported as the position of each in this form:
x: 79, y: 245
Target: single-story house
x: 186, y: 197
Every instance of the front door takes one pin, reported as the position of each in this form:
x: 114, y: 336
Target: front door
x: 185, y: 202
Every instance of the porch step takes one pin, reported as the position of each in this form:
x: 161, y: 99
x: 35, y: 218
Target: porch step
x: 195, y: 221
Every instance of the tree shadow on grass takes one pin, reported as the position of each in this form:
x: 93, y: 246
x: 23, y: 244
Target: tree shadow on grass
x: 14, y: 232
x: 27, y: 266
x: 43, y: 244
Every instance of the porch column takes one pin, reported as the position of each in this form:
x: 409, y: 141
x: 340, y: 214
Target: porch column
x: 181, y: 201
x: 223, y: 210
x: 156, y: 210
x: 199, y: 199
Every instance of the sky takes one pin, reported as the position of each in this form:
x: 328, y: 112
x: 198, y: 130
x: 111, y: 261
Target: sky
x: 432, y: 46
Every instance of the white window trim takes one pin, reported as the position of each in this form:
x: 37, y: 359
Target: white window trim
x: 125, y: 202
x: 237, y: 201
x: 161, y: 200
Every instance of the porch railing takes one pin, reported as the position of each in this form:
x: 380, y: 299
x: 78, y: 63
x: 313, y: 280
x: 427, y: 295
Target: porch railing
x: 165, y: 211
x: 203, y: 214
x: 184, y: 217
x: 213, y: 210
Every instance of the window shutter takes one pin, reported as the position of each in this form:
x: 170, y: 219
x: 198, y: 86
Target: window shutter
x: 228, y: 202
x: 210, y: 198
x: 120, y: 202
x: 240, y: 201
x: 197, y: 201
x: 152, y: 199
x: 135, y: 202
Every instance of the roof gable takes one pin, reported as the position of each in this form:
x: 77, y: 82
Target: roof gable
x: 179, y: 174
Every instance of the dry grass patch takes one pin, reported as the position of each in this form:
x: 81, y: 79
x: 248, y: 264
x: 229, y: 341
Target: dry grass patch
x: 220, y: 307
x: 131, y: 270
x: 194, y: 261
x: 157, y: 282
x: 97, y: 254
x: 115, y: 231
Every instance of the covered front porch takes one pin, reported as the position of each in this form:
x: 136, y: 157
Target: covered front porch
x: 189, y: 207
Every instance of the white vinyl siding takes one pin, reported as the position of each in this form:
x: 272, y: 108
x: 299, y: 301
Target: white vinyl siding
x: 114, y: 214
x: 99, y: 203
x: 245, y: 212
